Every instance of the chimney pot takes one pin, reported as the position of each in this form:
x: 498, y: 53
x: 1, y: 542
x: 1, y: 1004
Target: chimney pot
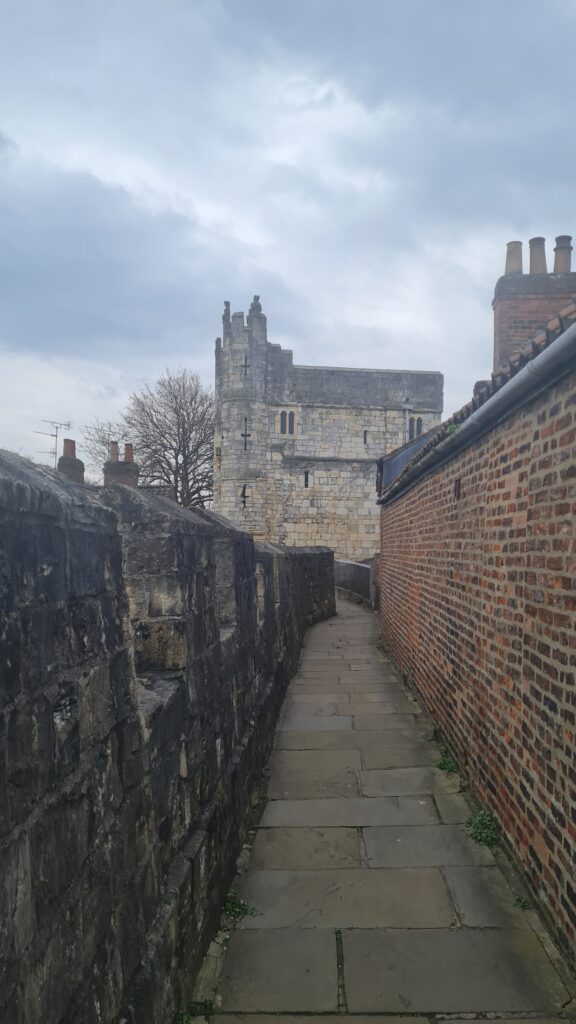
x: 514, y: 258
x: 128, y: 452
x: 538, y: 256
x: 563, y: 254
x: 113, y: 455
x: 69, y: 450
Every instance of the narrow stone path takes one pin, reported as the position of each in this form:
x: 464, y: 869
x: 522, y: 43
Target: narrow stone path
x: 369, y: 895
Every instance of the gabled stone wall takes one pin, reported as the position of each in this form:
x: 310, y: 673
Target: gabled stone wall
x: 144, y: 653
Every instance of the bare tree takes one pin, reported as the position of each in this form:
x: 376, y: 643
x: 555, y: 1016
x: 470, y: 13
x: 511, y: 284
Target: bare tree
x: 171, y: 425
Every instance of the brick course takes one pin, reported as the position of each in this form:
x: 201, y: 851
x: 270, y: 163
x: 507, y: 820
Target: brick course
x: 478, y: 605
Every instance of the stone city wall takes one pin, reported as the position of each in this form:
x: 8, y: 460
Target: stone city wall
x: 477, y: 585
x: 144, y: 654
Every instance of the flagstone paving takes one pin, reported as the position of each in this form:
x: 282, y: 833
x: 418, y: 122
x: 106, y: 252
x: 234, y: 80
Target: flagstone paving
x: 368, y: 895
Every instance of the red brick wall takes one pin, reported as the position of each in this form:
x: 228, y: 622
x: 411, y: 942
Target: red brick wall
x: 478, y: 605
x: 518, y: 319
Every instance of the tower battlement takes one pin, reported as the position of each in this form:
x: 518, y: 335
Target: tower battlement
x: 296, y: 446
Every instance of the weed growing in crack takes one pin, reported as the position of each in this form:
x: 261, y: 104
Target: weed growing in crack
x: 237, y: 908
x: 483, y: 828
x: 204, y: 1009
x: 446, y: 762
x: 521, y: 903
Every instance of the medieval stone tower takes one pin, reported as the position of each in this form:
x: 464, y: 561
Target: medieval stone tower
x: 296, y: 446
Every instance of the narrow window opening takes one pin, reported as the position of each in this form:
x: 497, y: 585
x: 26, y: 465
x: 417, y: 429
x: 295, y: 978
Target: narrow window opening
x: 418, y: 426
x: 291, y: 423
x: 282, y: 422
x: 365, y: 437
x: 243, y: 495
x: 306, y: 477
x: 457, y: 488
x: 411, y: 427
x: 246, y: 434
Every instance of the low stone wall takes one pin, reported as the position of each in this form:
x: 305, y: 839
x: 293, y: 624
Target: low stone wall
x: 478, y: 605
x: 144, y: 655
x: 354, y: 580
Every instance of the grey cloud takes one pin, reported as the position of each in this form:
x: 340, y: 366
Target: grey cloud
x: 86, y: 269
x: 167, y: 162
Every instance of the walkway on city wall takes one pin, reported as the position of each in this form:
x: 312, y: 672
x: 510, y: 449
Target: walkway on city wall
x: 369, y: 895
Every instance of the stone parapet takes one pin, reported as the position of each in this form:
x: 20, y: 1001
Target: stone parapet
x: 145, y: 652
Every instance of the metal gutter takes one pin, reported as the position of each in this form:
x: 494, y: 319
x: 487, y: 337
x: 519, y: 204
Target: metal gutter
x: 554, y: 362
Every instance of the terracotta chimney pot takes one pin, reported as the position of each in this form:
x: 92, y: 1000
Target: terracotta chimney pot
x: 563, y: 254
x: 514, y: 258
x: 538, y: 256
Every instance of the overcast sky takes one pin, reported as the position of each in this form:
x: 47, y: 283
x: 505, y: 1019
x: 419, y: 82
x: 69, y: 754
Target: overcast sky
x: 360, y: 164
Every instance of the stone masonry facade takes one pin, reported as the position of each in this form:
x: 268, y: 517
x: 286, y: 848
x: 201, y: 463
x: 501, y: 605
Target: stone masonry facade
x: 296, y: 446
x: 145, y: 651
x: 477, y: 581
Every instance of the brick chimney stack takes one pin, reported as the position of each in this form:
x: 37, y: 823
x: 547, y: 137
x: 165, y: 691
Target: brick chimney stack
x: 71, y: 467
x: 121, y: 472
x: 524, y: 303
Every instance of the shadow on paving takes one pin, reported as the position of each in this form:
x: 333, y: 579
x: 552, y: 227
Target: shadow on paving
x: 368, y: 895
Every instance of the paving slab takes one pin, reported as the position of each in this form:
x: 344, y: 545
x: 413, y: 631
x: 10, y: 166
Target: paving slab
x: 453, y: 807
x: 380, y: 723
x: 398, y: 781
x: 413, y: 753
x: 372, y: 695
x: 425, y: 846
x: 347, y: 899
x: 328, y: 761
x: 286, y: 784
x: 341, y: 704
x: 483, y: 898
x: 333, y: 683
x: 449, y: 971
x: 326, y: 700
x: 394, y: 705
x: 301, y: 849
x: 328, y: 1018
x: 350, y: 812
x: 406, y: 740
x: 288, y: 970
x: 314, y: 723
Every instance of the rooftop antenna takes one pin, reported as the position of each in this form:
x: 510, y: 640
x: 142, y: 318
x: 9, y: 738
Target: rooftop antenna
x: 53, y: 434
